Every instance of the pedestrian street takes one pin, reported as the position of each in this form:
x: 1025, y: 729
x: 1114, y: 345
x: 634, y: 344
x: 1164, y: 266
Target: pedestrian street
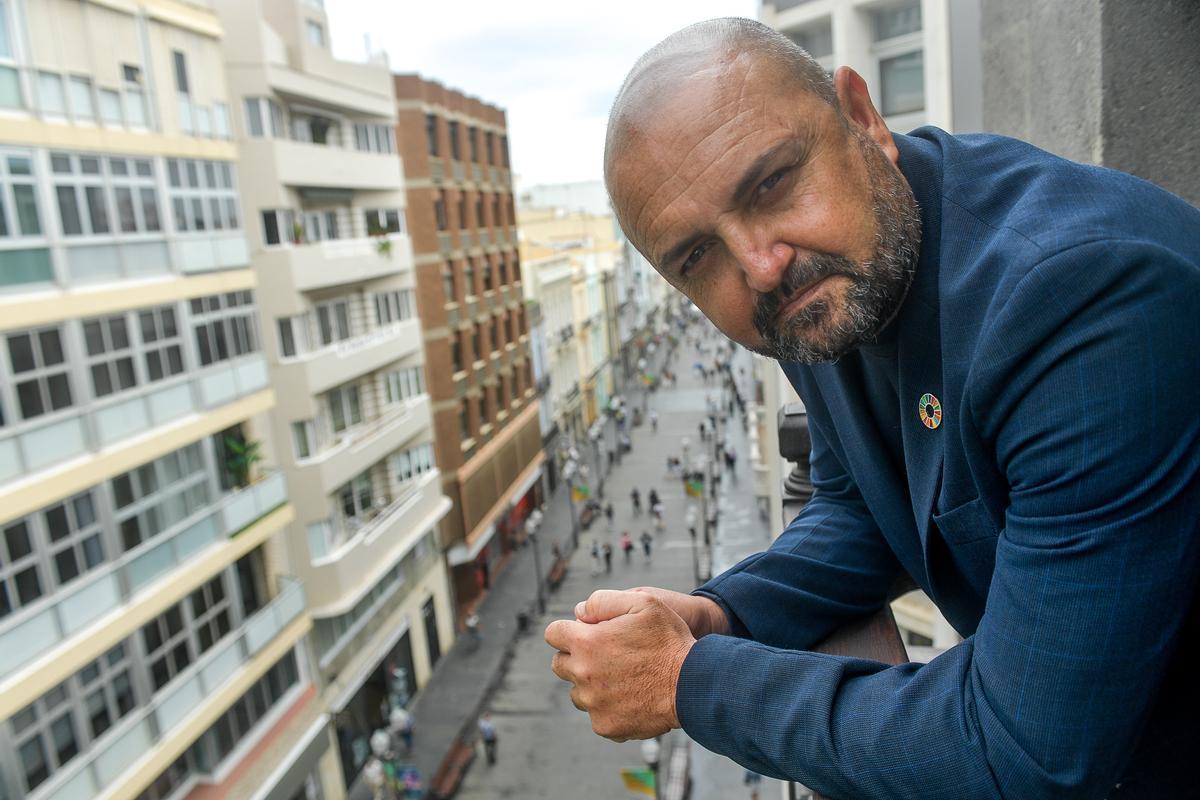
x: 546, y: 748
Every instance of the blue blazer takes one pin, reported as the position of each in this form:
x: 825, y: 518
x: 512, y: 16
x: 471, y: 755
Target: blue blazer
x: 1053, y: 515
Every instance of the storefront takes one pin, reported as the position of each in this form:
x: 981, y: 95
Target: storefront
x: 391, y: 683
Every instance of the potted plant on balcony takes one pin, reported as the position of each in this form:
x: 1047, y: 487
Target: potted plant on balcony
x: 298, y: 232
x: 240, y: 458
x: 383, y: 245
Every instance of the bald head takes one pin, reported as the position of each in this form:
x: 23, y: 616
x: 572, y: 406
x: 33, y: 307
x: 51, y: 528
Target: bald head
x: 704, y: 49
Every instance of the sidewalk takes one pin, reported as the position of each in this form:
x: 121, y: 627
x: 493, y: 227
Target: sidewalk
x: 450, y: 703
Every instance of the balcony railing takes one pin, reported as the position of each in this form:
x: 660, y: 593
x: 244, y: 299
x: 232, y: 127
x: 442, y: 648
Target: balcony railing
x: 109, y: 587
x: 180, y: 700
x: 327, y: 544
x: 101, y: 425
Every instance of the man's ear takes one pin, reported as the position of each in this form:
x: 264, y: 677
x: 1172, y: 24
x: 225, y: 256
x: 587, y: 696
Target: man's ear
x: 858, y: 109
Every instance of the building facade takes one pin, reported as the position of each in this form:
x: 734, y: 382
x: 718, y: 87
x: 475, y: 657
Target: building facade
x: 323, y: 191
x: 470, y: 302
x: 150, y: 640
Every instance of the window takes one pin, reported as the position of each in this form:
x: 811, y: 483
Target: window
x: 431, y: 133
x: 333, y: 322
x: 455, y: 145
x: 279, y: 226
x: 264, y: 114
x: 304, y: 438
x: 83, y: 199
x: 293, y: 336
x: 410, y: 463
x: 902, y: 83
x: 39, y: 367
x: 384, y: 220
x: 10, y: 83
x: 448, y: 288
x: 374, y: 138
x: 220, y: 113
x: 462, y: 209
x: 20, y: 571
x: 356, y: 498
x: 504, y: 151
x: 52, y: 98
x: 314, y: 33
x: 210, y: 612
x: 393, y: 306
x: 109, y: 355
x: 464, y: 420
x: 110, y: 108
x: 816, y: 39
x: 469, y: 278
x: 503, y: 266
x: 179, y: 61
x: 24, y: 257
x: 402, y: 384
x: 456, y: 353
x: 485, y: 406
x: 320, y: 226
x: 345, y: 408
x: 169, y: 649
x: 897, y: 49
x: 45, y: 736
x: 74, y: 535
x: 135, y: 95
x: 107, y: 690
x: 225, y: 326
x: 162, y: 343
x: 479, y: 210
x: 203, y: 195
x: 472, y: 144
x: 155, y: 496
x: 439, y: 210
x: 82, y: 107
x: 488, y: 142
x: 496, y: 211
x: 486, y: 269
x: 242, y: 718
x: 476, y: 348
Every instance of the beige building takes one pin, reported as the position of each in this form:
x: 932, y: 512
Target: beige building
x: 149, y: 642
x: 324, y: 196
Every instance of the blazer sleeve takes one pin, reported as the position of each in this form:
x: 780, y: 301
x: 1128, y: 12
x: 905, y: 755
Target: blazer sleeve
x: 1086, y: 395
x: 829, y: 566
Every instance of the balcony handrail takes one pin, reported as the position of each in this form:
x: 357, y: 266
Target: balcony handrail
x: 118, y: 582
x: 410, y: 493
x: 356, y: 435
x: 88, y: 415
x: 188, y: 690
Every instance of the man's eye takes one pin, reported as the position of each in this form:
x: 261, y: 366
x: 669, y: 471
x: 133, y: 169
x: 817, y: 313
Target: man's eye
x: 692, y: 258
x: 770, y: 182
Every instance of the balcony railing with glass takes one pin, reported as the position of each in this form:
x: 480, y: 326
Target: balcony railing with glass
x: 329, y: 541
x: 99, y: 425
x: 110, y: 587
x: 180, y: 700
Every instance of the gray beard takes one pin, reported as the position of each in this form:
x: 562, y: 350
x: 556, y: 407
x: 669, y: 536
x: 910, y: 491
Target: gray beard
x: 877, y: 286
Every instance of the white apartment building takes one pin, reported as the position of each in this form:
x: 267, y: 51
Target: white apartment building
x: 323, y: 190
x: 149, y: 644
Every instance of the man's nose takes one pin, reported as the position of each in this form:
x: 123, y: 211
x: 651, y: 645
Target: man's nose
x: 763, y: 258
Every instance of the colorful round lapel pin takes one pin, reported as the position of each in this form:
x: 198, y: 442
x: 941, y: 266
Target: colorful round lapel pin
x: 930, y: 409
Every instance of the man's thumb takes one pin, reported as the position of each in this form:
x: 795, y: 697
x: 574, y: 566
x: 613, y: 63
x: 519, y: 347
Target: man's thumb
x: 605, y: 604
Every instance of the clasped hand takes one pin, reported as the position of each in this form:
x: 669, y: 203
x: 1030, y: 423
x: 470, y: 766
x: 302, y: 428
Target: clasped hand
x: 623, y: 652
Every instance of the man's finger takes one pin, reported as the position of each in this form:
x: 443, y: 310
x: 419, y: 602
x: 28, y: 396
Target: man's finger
x: 560, y: 665
x: 605, y: 604
x: 558, y: 634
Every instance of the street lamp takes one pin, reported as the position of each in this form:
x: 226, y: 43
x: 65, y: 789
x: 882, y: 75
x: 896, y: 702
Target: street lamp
x: 532, y: 523
x: 568, y: 472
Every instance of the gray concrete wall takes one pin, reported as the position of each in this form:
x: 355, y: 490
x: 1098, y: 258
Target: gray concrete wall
x: 1113, y: 82
x: 1041, y: 74
x: 1151, y: 90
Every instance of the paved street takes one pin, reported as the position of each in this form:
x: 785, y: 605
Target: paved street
x: 546, y: 746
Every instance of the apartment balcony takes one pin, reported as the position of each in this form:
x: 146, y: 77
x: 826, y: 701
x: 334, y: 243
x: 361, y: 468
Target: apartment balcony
x: 320, y: 265
x: 362, y: 446
x: 321, y: 370
x: 361, y: 88
x: 127, y: 423
x: 205, y: 539
x: 325, y: 167
x: 128, y: 760
x: 337, y: 578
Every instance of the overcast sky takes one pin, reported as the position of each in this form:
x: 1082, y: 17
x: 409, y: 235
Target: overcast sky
x: 554, y: 66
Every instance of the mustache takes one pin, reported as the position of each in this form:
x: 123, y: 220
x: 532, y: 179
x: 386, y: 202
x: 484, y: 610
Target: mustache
x: 799, y: 274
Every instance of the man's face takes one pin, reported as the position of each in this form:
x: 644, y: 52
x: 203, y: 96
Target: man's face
x: 793, y: 232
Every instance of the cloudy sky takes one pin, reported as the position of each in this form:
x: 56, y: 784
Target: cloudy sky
x: 553, y: 65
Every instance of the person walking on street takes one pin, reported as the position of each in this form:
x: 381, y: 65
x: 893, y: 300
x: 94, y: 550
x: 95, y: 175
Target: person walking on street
x: 646, y: 540
x: 400, y: 725
x: 608, y: 514
x: 654, y: 422
x: 607, y: 558
x: 473, y: 635
x: 595, y: 558
x: 627, y: 545
x: 636, y: 497
x: 652, y: 497
x: 487, y: 732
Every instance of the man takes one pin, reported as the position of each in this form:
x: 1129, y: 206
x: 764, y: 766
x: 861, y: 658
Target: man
x: 998, y: 352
